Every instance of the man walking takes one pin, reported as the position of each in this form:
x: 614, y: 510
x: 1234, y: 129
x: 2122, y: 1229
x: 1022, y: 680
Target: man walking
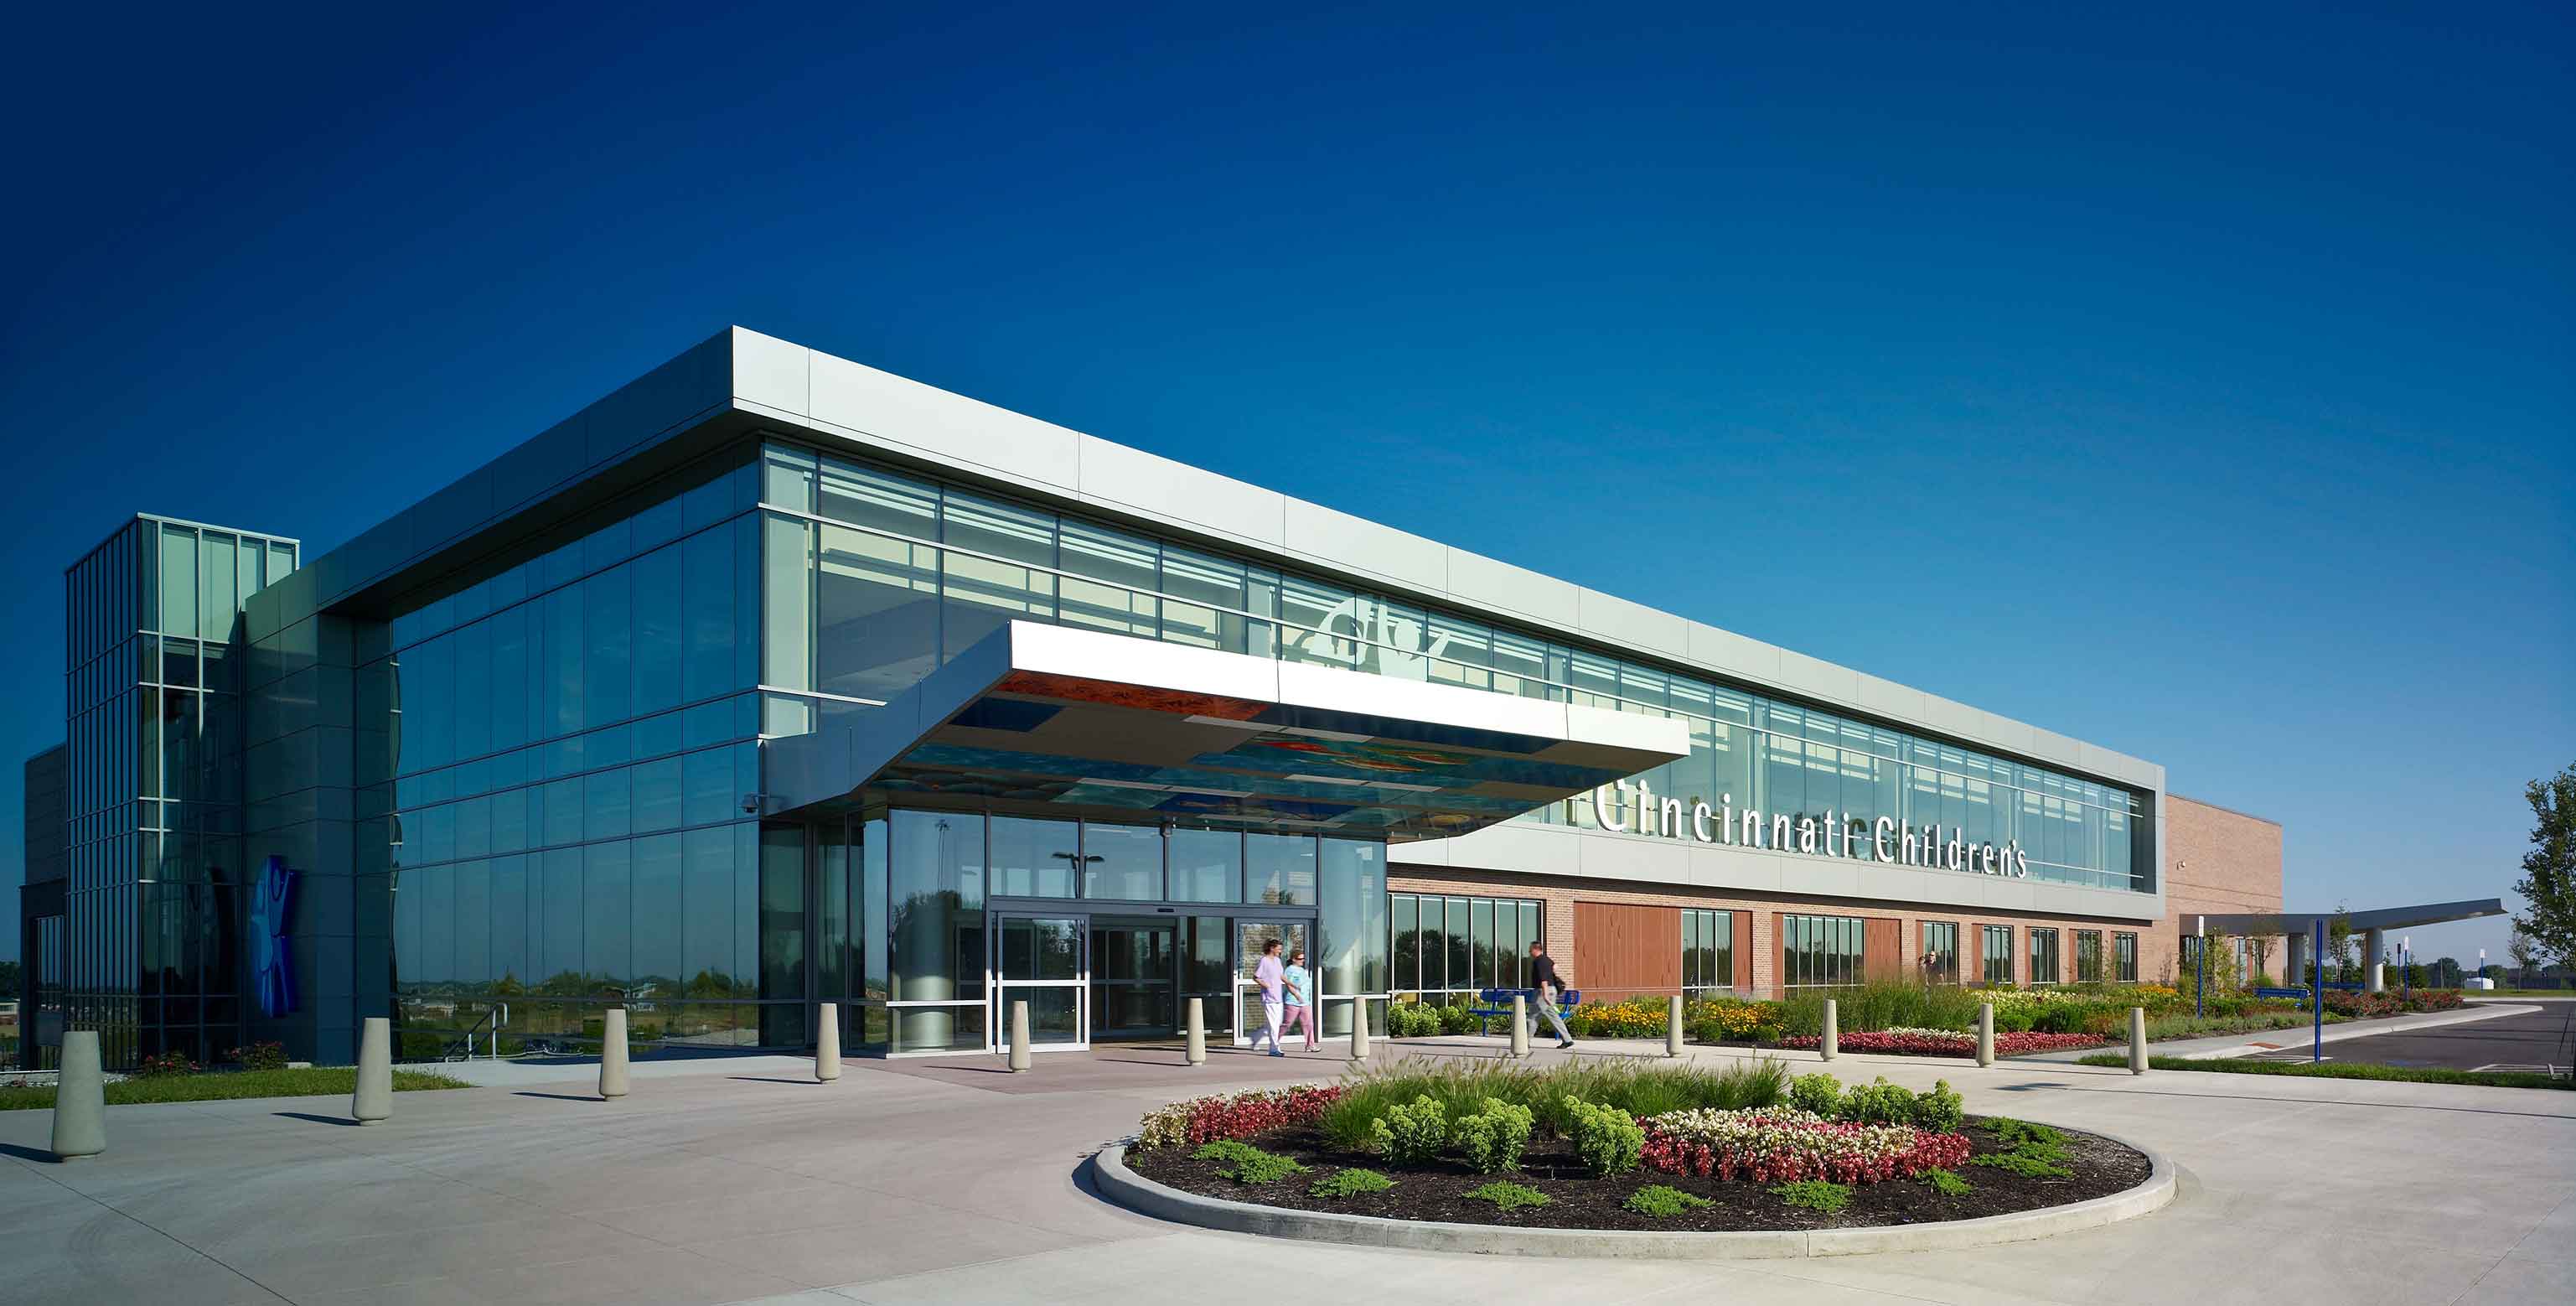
x: 1273, y: 978
x: 1550, y: 987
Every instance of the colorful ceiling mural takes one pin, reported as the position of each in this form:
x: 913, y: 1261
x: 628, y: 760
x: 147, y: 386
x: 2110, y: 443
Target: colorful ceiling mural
x: 1075, y: 743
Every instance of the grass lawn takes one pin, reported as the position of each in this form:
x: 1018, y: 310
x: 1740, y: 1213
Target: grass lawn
x: 320, y: 1081
x: 2346, y: 1070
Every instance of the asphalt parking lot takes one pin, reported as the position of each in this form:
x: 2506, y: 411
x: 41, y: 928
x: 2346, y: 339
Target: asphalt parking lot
x: 2533, y: 1041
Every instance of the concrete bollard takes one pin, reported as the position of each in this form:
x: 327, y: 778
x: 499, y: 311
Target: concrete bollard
x: 1520, y: 1026
x: 1985, y: 1033
x: 1826, y: 1045
x: 612, y: 1053
x: 1019, y: 1035
x: 80, y: 1100
x: 1197, y: 1053
x: 1673, y: 1028
x: 827, y: 1045
x: 1359, y: 1031
x: 374, y: 1099
x: 2137, y: 1040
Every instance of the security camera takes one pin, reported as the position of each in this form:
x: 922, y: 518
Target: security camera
x: 751, y: 803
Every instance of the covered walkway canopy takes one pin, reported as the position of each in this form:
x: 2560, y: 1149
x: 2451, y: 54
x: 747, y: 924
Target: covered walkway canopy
x: 1050, y: 719
x: 2371, y: 925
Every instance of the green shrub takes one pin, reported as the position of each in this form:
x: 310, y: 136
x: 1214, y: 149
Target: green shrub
x: 259, y: 1056
x: 1349, y: 1183
x: 1246, y: 1164
x: 1609, y: 1140
x: 1507, y: 1196
x: 1940, y: 1110
x: 1946, y: 1183
x: 2014, y: 1020
x: 1640, y: 1088
x: 1493, y: 1138
x: 1413, y: 1134
x: 2022, y: 1133
x: 165, y: 1064
x: 1412, y: 1020
x: 1456, y: 1018
x: 2061, y: 1018
x: 1815, y: 1195
x: 1820, y: 1093
x: 2026, y: 1164
x: 1663, y: 1201
x: 1877, y: 1103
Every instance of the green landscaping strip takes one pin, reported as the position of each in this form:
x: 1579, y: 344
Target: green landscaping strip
x: 318, y: 1081
x: 2347, y: 1070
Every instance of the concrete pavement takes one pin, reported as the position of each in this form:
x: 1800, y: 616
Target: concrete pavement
x: 950, y: 1181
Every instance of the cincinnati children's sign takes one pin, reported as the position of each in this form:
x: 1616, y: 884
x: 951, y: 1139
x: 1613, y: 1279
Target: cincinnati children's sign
x: 1883, y: 839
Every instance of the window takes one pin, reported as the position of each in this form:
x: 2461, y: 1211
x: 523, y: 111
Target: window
x: 2043, y: 955
x: 1940, y: 957
x: 1820, y: 951
x: 2124, y: 958
x: 1995, y: 953
x: 1489, y: 949
x: 2088, y: 956
x: 1708, y: 950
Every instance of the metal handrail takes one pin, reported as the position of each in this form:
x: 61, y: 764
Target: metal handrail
x: 497, y: 1017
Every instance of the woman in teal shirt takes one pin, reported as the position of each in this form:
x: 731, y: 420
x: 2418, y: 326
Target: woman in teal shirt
x: 1300, y: 986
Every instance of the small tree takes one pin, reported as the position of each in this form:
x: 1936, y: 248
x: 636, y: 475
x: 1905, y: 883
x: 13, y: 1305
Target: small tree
x: 2548, y: 885
x: 2526, y: 958
x: 2339, y: 950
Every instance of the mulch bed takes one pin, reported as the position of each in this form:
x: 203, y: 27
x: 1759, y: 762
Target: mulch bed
x: 1580, y: 1201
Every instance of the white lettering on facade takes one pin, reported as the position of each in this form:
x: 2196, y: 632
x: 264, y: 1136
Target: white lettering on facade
x: 1619, y: 806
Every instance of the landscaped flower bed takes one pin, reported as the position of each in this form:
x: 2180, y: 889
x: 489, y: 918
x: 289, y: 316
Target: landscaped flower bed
x: 1943, y: 1043
x: 1221, y: 1116
x: 1743, y: 1148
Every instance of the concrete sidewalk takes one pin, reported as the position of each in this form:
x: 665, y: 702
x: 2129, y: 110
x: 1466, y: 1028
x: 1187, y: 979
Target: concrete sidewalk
x: 955, y: 1181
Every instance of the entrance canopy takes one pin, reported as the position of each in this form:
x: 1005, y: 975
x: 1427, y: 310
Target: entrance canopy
x: 1062, y: 721
x: 2384, y: 918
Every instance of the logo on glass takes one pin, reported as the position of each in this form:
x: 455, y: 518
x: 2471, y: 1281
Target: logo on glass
x: 273, y: 965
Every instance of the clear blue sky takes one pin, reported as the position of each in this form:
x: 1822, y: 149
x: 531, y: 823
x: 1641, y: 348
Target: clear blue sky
x: 2194, y: 387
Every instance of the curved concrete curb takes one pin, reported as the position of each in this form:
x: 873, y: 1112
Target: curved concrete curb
x: 1138, y: 1193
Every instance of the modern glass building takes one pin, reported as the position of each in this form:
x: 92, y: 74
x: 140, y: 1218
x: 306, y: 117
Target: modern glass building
x: 773, y: 680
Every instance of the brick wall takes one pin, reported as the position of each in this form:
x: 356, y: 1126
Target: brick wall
x: 2217, y: 860
x: 1560, y: 894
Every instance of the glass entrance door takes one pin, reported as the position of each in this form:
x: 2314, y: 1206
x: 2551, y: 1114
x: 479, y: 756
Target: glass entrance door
x: 1251, y: 935
x: 1045, y: 961
x: 1131, y: 976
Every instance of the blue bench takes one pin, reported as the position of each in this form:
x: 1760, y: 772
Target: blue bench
x: 1498, y: 1004
x: 2300, y: 995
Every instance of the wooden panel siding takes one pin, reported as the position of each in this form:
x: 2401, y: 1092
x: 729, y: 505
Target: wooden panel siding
x: 1627, y: 948
x: 1882, y: 948
x: 1743, y: 952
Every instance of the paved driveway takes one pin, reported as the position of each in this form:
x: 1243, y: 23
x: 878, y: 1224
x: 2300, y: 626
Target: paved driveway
x: 951, y: 1182
x: 2541, y: 1039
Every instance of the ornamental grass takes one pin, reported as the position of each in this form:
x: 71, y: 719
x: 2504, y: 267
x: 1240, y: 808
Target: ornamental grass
x: 1461, y: 1088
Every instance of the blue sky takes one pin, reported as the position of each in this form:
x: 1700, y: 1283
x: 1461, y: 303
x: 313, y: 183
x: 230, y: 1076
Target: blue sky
x: 2195, y: 385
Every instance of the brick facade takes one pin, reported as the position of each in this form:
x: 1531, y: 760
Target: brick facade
x: 2218, y: 860
x: 2155, y: 944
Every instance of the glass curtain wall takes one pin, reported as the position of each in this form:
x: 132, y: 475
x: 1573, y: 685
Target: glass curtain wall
x: 2088, y: 956
x: 908, y: 958
x: 1449, y: 948
x: 1939, y: 959
x: 153, y: 784
x: 559, y: 805
x: 1820, y: 951
x: 874, y: 578
x: 1995, y: 954
x: 1708, y: 951
x: 2043, y: 955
